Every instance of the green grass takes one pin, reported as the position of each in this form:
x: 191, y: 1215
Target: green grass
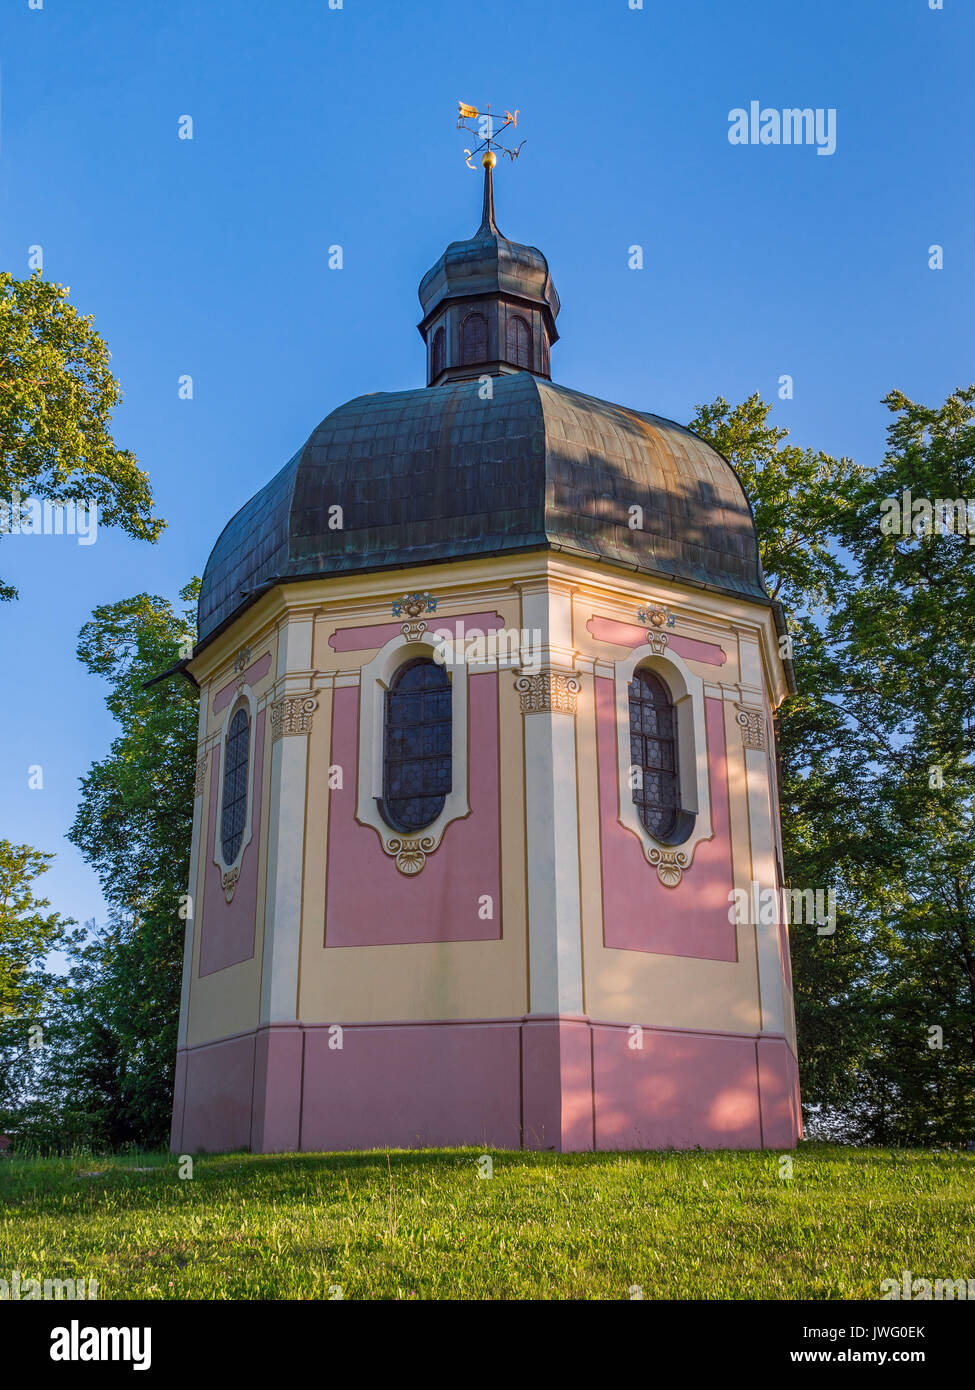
x: 423, y: 1224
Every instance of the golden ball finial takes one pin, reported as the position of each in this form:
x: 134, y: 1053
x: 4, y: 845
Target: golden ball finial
x: 489, y: 159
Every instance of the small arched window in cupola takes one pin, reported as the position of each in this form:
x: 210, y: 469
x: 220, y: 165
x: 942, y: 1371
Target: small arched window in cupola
x: 473, y: 339
x: 236, y: 756
x: 519, y: 342
x: 417, y: 745
x: 653, y: 758
x: 437, y: 354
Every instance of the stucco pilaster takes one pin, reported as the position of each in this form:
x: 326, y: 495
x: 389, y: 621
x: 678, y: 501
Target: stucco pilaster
x: 551, y: 812
x: 292, y: 712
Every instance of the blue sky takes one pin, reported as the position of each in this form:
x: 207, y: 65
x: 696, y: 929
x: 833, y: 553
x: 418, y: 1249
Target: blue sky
x: 315, y: 127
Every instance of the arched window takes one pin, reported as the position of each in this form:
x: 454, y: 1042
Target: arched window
x: 416, y: 745
x: 437, y: 354
x: 473, y: 339
x: 653, y: 750
x: 519, y: 342
x: 235, y: 759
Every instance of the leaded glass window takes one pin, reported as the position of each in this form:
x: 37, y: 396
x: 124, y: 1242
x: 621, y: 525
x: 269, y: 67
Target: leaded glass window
x: 235, y: 762
x: 653, y: 754
x: 437, y: 354
x: 473, y: 339
x: 519, y: 337
x: 416, y: 745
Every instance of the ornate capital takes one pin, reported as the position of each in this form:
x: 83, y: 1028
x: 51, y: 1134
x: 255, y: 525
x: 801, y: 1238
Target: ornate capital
x: 549, y: 692
x: 413, y: 631
x: 411, y: 855
x: 670, y: 865
x: 201, y: 772
x: 292, y: 714
x: 752, y: 722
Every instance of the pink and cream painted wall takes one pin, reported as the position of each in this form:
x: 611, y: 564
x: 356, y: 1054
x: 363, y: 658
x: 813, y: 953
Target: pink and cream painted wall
x: 538, y: 979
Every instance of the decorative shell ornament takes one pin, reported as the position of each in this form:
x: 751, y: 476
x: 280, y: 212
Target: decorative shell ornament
x: 411, y: 855
x: 670, y: 865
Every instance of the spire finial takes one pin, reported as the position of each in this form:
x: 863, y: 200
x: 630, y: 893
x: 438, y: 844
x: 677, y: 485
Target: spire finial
x: 489, y: 143
x: 488, y: 224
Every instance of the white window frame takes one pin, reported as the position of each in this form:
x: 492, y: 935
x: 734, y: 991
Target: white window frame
x: 409, y: 847
x: 229, y: 873
x: 687, y: 693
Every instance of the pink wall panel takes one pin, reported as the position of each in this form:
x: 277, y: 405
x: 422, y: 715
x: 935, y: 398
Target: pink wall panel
x: 412, y: 1085
x: 369, y: 902
x: 179, y: 1100
x: 630, y: 635
x: 678, y: 1091
x: 566, y: 1084
x: 227, y: 933
x: 557, y: 1084
x: 276, y: 1124
x: 779, y: 1082
x: 219, y: 1091
x: 639, y: 913
x: 371, y: 638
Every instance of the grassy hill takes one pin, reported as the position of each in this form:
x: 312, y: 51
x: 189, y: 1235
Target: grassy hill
x: 424, y: 1224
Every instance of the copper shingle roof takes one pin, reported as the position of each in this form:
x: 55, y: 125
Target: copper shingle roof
x: 438, y: 474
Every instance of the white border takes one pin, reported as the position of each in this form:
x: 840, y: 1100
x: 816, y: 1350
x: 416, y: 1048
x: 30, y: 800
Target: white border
x: 687, y: 692
x: 245, y: 697
x: 375, y: 681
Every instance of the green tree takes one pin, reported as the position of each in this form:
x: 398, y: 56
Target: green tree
x: 28, y: 991
x: 134, y: 825
x: 57, y: 395
x: 800, y: 499
x: 877, y: 781
x: 906, y: 633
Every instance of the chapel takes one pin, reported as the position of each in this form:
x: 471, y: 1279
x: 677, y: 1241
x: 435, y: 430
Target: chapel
x: 487, y: 673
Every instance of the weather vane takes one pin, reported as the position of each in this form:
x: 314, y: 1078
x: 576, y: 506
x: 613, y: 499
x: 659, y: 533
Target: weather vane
x: 485, y: 132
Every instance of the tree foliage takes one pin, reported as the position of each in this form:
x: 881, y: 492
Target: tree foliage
x: 876, y: 764
x: 800, y: 499
x: 57, y: 395
x: 28, y: 990
x: 118, y: 1044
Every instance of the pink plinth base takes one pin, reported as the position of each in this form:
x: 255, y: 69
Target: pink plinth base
x: 568, y: 1084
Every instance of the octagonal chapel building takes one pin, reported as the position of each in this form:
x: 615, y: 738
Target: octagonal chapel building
x: 485, y: 747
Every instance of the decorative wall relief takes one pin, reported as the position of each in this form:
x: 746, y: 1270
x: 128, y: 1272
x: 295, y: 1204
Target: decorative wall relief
x: 413, y: 605
x: 411, y: 855
x: 292, y: 714
x: 670, y: 865
x: 658, y: 618
x: 752, y: 723
x: 548, y: 692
